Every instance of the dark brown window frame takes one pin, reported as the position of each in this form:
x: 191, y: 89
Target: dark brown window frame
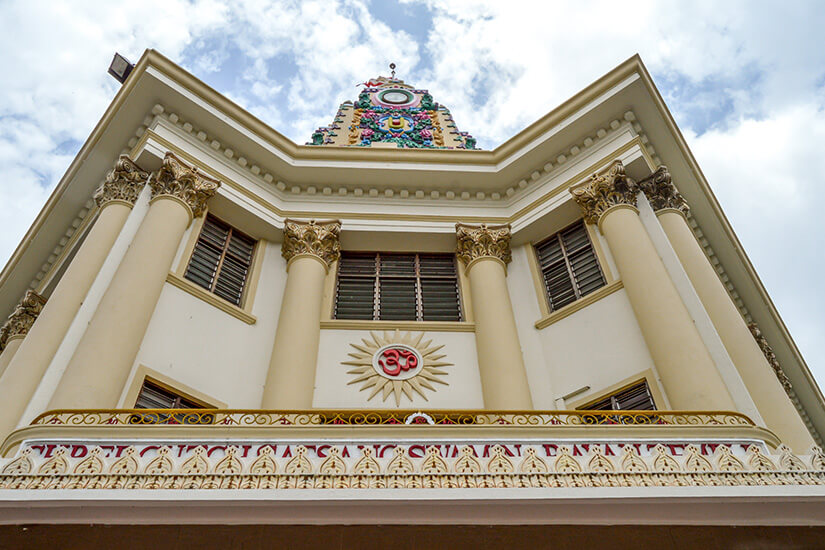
x: 224, y: 252
x: 566, y: 254
x: 417, y: 277
x: 613, y: 398
x: 180, y: 400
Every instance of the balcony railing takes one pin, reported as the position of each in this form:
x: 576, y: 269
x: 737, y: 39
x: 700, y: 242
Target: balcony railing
x: 239, y: 417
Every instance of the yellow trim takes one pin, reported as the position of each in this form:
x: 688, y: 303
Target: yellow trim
x: 493, y: 432
x: 592, y: 232
x: 647, y: 375
x: 69, y: 246
x: 570, y: 182
x: 192, y: 241
x: 251, y: 288
x: 328, y: 299
x: 433, y: 326
x: 538, y: 282
x: 243, y: 190
x: 581, y: 303
x: 210, y: 298
x: 465, y: 297
x: 143, y: 373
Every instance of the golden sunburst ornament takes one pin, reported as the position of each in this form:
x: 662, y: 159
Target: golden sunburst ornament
x: 397, y: 364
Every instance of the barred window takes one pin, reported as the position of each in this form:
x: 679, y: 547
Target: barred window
x: 569, y: 266
x: 221, y: 260
x: 633, y: 398
x: 397, y: 287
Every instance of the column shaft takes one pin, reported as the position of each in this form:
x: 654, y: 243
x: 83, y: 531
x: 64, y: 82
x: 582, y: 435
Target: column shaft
x: 15, y: 386
x: 485, y: 250
x: 290, y: 382
x: 100, y: 366
x: 34, y: 356
x: 765, y: 389
x: 500, y: 362
x: 309, y: 248
x: 8, y: 353
x: 688, y: 372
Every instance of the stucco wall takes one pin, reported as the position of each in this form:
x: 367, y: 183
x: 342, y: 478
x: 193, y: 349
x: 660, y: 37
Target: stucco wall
x: 204, y: 348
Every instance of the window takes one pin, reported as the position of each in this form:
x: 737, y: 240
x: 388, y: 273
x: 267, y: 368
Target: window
x: 153, y: 396
x: 397, y: 287
x: 221, y: 260
x: 633, y: 398
x: 569, y: 266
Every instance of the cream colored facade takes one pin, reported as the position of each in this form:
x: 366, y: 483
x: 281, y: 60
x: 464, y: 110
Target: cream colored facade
x: 674, y: 311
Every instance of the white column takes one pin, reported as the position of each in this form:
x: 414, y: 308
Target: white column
x: 758, y: 375
x: 115, y: 198
x: 688, y: 372
x: 485, y: 250
x: 309, y: 248
x: 100, y: 366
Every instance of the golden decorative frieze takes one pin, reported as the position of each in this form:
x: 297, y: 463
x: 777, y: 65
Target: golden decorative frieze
x: 604, y: 191
x: 397, y: 364
x: 480, y: 241
x: 357, y: 417
x: 387, y: 465
x: 661, y: 192
x: 22, y: 318
x: 767, y: 350
x: 319, y: 239
x: 176, y: 179
x: 123, y: 183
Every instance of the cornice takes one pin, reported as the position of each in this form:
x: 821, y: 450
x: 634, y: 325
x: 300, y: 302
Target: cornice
x: 506, y: 192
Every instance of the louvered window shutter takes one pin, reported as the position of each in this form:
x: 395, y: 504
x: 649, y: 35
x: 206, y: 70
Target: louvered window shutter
x: 153, y: 396
x: 221, y: 260
x: 397, y: 287
x: 569, y: 266
x: 635, y: 398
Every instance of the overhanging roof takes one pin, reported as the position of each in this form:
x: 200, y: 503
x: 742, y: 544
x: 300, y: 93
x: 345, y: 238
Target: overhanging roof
x: 628, y: 87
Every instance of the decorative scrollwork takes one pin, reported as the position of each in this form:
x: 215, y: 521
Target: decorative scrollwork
x: 408, y: 465
x: 319, y: 239
x: 178, y: 180
x: 479, y: 241
x: 604, y: 191
x: 661, y: 192
x: 240, y: 417
x: 770, y: 356
x: 20, y: 322
x: 123, y: 183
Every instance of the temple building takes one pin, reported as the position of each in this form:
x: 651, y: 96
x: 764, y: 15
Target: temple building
x: 390, y: 337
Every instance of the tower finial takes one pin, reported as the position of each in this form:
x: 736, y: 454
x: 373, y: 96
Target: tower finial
x: 392, y: 68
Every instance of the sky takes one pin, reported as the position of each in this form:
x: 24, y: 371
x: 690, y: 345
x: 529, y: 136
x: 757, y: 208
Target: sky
x: 744, y: 80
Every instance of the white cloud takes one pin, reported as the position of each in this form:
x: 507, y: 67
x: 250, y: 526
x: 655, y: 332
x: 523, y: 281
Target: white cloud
x: 768, y: 176
x: 749, y: 75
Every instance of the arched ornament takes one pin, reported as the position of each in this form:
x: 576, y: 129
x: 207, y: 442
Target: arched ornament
x: 397, y: 364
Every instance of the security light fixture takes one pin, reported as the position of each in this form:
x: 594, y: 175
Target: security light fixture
x: 120, y: 67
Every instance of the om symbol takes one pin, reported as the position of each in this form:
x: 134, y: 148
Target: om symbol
x: 396, y: 359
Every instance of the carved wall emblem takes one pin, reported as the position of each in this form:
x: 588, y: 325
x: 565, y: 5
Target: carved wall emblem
x: 397, y: 364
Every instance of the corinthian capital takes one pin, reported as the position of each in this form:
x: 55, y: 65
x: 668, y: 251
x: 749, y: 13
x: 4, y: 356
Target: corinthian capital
x: 22, y: 318
x: 123, y: 183
x: 479, y: 241
x: 183, y: 182
x: 603, y: 191
x: 319, y: 239
x: 661, y: 193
